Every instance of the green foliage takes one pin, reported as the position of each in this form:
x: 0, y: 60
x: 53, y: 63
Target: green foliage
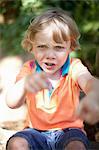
x: 17, y: 15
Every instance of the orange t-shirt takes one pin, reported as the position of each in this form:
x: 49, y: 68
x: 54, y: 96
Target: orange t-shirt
x: 59, y: 112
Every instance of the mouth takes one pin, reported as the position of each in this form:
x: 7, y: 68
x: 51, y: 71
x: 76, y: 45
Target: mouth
x: 49, y: 64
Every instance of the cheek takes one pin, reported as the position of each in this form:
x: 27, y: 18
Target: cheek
x: 38, y: 56
x: 62, y: 58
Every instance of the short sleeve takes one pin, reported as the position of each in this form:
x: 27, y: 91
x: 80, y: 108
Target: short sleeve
x: 77, y: 69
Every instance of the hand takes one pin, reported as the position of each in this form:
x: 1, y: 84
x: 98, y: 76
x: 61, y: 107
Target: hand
x: 37, y: 82
x: 88, y: 108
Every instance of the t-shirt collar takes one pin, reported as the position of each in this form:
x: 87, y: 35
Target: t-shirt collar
x: 65, y: 67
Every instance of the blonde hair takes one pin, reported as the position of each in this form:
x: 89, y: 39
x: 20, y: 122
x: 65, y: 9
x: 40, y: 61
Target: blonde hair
x: 58, y: 17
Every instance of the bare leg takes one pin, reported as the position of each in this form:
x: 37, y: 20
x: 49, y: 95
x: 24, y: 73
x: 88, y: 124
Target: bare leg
x: 75, y: 145
x: 17, y: 143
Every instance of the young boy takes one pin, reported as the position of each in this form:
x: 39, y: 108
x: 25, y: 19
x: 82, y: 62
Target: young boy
x: 50, y: 84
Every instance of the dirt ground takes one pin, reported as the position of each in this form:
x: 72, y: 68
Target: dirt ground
x: 7, y: 129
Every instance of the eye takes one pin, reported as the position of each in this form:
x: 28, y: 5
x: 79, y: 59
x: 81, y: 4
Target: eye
x: 41, y: 46
x: 59, y: 48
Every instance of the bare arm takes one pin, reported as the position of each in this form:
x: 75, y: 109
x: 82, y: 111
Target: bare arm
x: 31, y: 83
x: 89, y: 106
x: 15, y: 96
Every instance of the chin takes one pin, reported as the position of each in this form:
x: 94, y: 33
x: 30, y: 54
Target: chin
x: 49, y: 72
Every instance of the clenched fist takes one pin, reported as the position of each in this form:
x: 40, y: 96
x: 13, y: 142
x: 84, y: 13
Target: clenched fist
x: 37, y: 82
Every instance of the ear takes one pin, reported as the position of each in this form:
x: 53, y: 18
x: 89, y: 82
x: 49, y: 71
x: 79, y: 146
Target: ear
x: 32, y: 48
x: 32, y: 51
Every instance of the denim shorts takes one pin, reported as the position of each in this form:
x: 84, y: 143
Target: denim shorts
x: 51, y: 140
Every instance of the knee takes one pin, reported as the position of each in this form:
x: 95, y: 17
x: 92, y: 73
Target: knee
x: 17, y: 143
x: 74, y: 145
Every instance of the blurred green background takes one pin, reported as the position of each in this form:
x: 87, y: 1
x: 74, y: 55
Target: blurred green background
x: 15, y: 17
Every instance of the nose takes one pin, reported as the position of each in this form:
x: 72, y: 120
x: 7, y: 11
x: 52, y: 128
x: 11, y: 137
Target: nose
x: 50, y: 55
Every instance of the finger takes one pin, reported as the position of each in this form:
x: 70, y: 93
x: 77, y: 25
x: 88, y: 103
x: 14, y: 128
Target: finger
x: 31, y: 85
x: 38, y: 82
x: 42, y: 82
x: 88, y: 113
x: 90, y: 118
x: 93, y: 115
x: 86, y: 104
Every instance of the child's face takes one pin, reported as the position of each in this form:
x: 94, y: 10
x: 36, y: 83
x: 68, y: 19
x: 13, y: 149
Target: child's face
x: 50, y: 55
